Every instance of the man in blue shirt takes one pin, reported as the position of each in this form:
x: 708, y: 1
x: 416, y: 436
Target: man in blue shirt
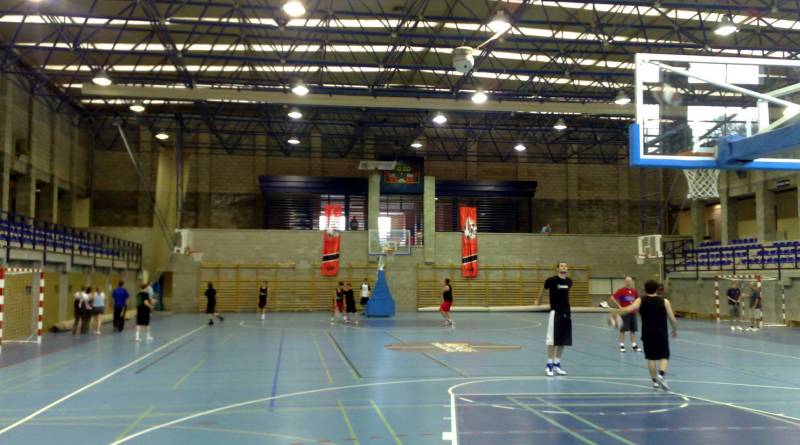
x: 120, y: 296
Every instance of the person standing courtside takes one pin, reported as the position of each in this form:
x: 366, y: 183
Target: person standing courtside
x: 338, y: 302
x: 559, y: 326
x: 120, y: 297
x: 350, y: 305
x: 755, y: 307
x: 624, y: 297
x: 86, y: 310
x: 144, y: 306
x: 365, y: 290
x: 77, y: 307
x: 211, y: 305
x: 263, y: 294
x: 734, y: 295
x: 98, y: 309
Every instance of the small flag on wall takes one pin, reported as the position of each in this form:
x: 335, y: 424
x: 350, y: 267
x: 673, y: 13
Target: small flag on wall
x: 469, y: 241
x: 331, y: 241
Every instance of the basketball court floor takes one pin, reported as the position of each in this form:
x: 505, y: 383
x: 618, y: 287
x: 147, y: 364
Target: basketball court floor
x: 296, y: 379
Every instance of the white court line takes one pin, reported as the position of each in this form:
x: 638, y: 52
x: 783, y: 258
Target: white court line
x: 503, y: 407
x: 467, y: 400
x: 95, y: 383
x: 453, y: 433
x: 470, y: 380
x: 753, y: 351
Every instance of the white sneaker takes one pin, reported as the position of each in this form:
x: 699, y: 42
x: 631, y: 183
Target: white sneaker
x: 656, y: 385
x: 635, y: 348
x: 549, y: 370
x: 733, y: 328
x: 662, y: 383
x: 558, y: 370
x: 756, y: 329
x: 739, y: 328
x: 749, y: 329
x: 263, y: 316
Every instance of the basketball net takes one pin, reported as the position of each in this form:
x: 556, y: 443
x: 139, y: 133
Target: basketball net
x: 702, y: 183
x: 388, y: 255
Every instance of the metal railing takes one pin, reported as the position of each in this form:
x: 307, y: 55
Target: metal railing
x: 20, y: 231
x: 682, y: 256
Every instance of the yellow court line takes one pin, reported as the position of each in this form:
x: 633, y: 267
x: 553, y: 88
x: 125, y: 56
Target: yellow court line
x: 386, y: 423
x: 186, y: 376
x: 586, y: 421
x: 322, y: 359
x: 553, y: 422
x: 134, y: 424
x: 347, y: 422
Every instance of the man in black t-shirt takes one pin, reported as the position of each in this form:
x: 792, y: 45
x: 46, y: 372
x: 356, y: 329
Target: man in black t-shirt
x: 559, y: 327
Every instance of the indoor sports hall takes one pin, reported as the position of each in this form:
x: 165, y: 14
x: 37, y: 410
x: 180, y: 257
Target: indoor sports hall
x: 402, y: 222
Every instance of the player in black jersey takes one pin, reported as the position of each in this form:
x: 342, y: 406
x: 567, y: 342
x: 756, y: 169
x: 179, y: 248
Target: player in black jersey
x: 559, y: 326
x: 263, y: 293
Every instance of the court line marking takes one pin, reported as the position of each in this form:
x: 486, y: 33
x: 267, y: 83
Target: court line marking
x: 170, y: 352
x: 586, y: 422
x: 452, y: 368
x: 135, y: 423
x: 322, y: 359
x: 347, y: 422
x: 97, y: 381
x: 548, y: 420
x: 465, y: 381
x: 353, y: 371
x: 365, y: 324
x: 189, y: 373
x: 773, y: 354
x: 277, y: 370
x: 453, y: 433
x: 386, y: 423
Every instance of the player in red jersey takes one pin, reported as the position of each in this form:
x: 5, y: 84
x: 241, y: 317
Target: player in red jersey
x: 624, y: 297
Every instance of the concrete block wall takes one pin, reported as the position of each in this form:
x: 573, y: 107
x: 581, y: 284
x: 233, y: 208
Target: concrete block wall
x: 53, y: 151
x: 605, y: 255
x: 223, y: 191
x: 696, y: 296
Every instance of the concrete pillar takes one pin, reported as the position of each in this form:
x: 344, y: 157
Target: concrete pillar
x: 6, y: 140
x: 373, y: 200
x: 26, y: 194
x: 429, y: 204
x: 698, y: 220
x: 260, y: 169
x: 472, y: 161
x: 573, y: 203
x: 204, y: 181
x: 728, y: 216
x: 144, y: 210
x: 48, y: 202
x: 623, y: 200
x: 316, y: 154
x: 66, y: 205
x: 766, y: 221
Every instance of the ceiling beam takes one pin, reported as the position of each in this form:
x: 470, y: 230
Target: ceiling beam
x: 353, y: 101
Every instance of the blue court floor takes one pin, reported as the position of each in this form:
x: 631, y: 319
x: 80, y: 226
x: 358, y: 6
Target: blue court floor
x: 297, y: 379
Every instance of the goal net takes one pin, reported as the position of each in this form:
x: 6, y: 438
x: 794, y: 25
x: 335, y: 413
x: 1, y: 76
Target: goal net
x: 773, y: 310
x: 21, y: 305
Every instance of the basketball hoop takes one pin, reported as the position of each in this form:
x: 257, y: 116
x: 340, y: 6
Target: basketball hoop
x: 387, y: 255
x: 702, y: 183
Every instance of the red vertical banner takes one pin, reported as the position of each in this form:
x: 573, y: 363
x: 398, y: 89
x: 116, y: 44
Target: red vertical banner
x: 469, y: 241
x: 331, y: 240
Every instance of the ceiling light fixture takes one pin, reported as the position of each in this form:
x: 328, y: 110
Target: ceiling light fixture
x: 500, y: 23
x: 479, y: 97
x: 439, y: 119
x: 295, y: 114
x: 560, y: 125
x: 726, y: 27
x: 293, y: 141
x: 137, y: 107
x: 162, y: 136
x: 101, y: 79
x: 300, y: 89
x: 416, y: 144
x: 294, y: 8
x: 622, y: 98
x: 520, y: 147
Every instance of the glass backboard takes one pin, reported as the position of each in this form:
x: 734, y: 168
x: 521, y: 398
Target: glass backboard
x: 687, y: 105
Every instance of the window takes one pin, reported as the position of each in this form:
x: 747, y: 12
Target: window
x: 495, y: 214
x: 296, y: 202
x: 403, y: 212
